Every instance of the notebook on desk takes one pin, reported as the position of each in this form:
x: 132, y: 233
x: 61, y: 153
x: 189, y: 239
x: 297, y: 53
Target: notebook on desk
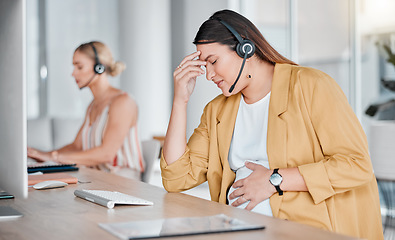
x: 64, y: 177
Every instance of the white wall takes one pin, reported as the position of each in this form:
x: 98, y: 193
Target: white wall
x: 70, y: 23
x: 192, y: 15
x: 146, y: 48
x: 324, y: 41
x: 271, y: 18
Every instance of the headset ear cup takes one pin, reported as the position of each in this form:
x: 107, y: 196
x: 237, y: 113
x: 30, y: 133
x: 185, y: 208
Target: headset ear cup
x: 239, y: 50
x: 99, y: 68
x: 246, y: 45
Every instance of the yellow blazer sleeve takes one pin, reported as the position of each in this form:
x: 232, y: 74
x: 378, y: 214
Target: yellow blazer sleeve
x: 191, y: 168
x: 346, y: 164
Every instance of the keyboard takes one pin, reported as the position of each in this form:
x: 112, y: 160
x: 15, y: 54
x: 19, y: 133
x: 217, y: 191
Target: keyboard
x: 52, y: 168
x: 109, y: 199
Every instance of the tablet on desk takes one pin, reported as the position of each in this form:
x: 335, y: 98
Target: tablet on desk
x: 7, y: 213
x: 171, y: 227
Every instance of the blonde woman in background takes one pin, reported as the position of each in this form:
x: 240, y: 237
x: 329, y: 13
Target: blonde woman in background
x: 108, y: 138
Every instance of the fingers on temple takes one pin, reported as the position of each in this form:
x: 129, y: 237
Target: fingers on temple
x: 185, y: 77
x: 189, y: 60
x: 190, y: 66
x: 189, y: 72
x: 190, y: 57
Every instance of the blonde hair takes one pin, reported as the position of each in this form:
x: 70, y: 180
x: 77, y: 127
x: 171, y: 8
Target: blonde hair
x: 113, y: 68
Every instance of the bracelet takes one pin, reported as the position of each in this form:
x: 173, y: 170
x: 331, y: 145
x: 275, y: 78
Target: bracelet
x: 55, y: 156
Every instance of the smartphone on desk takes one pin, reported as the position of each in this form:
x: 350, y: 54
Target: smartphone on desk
x: 5, y: 195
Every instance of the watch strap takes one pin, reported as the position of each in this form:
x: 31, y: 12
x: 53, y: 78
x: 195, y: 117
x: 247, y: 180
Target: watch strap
x: 280, y: 192
x: 278, y: 189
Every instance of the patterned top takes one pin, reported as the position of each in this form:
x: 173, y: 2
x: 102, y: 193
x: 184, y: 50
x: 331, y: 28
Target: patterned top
x: 128, y: 156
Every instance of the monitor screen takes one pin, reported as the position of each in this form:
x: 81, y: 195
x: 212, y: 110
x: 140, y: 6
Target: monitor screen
x: 13, y: 169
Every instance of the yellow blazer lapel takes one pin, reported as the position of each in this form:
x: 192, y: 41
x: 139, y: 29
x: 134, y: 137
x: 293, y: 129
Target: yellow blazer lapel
x: 226, y: 120
x: 277, y: 127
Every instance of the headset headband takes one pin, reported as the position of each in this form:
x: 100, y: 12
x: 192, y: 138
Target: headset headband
x: 96, y: 56
x: 98, y: 68
x: 232, y: 30
x: 245, y: 49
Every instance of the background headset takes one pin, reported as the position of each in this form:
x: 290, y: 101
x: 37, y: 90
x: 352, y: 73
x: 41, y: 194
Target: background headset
x: 98, y: 68
x: 245, y: 49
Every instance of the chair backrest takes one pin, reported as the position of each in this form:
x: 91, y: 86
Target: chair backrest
x: 382, y: 148
x: 39, y: 134
x: 65, y: 130
x: 48, y: 133
x: 151, y: 149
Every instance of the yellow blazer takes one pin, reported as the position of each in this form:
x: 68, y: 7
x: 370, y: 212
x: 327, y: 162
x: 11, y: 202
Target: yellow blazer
x: 311, y: 126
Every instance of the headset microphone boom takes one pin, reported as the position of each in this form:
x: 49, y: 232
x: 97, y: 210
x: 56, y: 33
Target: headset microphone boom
x: 245, y: 49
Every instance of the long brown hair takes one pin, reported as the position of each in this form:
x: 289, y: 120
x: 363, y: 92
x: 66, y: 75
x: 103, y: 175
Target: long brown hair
x: 212, y: 30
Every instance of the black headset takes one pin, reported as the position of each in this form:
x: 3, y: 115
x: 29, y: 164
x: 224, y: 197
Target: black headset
x: 98, y: 68
x: 244, y: 46
x: 245, y: 49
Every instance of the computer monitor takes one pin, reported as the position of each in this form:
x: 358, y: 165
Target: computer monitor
x: 13, y: 169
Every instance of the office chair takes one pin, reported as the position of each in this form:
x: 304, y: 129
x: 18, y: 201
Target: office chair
x: 151, y: 149
x: 382, y: 152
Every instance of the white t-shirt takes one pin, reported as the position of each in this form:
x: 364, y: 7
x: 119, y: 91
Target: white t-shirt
x: 249, y: 144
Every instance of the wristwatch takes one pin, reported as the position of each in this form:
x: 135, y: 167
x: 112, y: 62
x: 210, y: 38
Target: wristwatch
x: 276, y: 179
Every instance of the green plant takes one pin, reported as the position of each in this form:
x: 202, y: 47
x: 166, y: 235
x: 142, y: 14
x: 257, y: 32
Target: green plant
x: 391, y: 56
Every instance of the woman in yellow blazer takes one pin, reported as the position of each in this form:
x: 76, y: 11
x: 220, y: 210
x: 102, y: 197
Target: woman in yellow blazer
x: 319, y: 169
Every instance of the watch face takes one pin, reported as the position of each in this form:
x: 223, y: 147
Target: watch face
x: 276, y: 179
